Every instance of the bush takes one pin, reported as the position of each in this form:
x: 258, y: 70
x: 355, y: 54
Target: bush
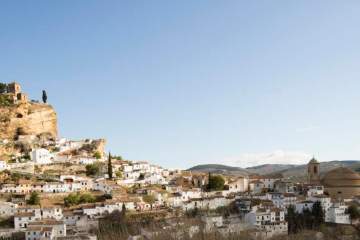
x: 103, y: 198
x: 5, y: 100
x: 118, y: 174
x: 74, y: 199
x: 117, y: 157
x: 34, y: 199
x: 87, y: 198
x: 93, y: 169
x: 97, y: 155
x: 150, y: 199
x: 3, y: 88
x: 216, y: 183
x: 15, y: 176
x: 354, y: 212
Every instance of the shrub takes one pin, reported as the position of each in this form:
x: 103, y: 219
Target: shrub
x: 93, y: 169
x: 74, y: 199
x: 216, y: 183
x: 150, y: 199
x: 97, y: 155
x: 34, y: 199
x: 5, y: 100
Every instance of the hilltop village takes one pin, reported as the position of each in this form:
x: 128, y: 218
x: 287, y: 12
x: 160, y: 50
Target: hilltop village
x: 58, y: 188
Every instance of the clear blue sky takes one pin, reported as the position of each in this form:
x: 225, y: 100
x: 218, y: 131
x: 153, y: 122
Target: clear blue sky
x: 186, y: 82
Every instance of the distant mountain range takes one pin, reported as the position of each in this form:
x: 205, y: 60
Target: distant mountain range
x: 221, y: 169
x: 295, y: 172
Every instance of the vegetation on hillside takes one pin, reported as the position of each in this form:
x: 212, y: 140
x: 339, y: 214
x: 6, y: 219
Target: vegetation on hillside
x: 216, y: 183
x: 74, y: 199
x: 308, y: 220
x: 34, y: 199
x: 5, y: 101
x: 93, y: 169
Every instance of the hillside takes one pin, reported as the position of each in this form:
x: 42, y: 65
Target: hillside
x: 269, y: 168
x: 299, y: 172
x: 294, y: 172
x: 218, y: 168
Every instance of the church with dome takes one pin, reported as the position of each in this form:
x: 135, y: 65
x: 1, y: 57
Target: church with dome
x: 340, y: 182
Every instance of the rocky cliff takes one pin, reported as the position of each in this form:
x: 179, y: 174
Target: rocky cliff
x: 27, y: 119
x: 23, y: 125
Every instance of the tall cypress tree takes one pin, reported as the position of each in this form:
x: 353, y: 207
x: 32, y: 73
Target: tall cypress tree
x: 291, y: 218
x: 318, y: 215
x: 44, y: 96
x: 110, y: 170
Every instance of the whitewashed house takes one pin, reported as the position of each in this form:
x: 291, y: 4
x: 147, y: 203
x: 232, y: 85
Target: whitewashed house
x: 208, y: 203
x: 23, y: 186
x: 45, y: 229
x: 86, y: 160
x: 8, y: 209
x: 315, y: 190
x: 41, y: 156
x: 256, y: 186
x: 270, y: 221
x: 127, y: 168
x: 134, y: 175
x: 282, y: 200
x: 337, y: 214
x: 55, y: 213
x: 240, y: 184
x: 301, y: 206
x: 269, y: 181
x: 155, y: 179
x: 22, y: 220
x: 39, y: 232
x: 142, y: 166
x: 4, y: 166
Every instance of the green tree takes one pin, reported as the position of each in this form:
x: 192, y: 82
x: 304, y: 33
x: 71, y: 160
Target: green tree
x: 15, y: 176
x: 142, y: 176
x: 117, y: 157
x: 5, y: 100
x: 110, y: 169
x: 34, y: 199
x: 119, y: 174
x: 72, y: 199
x: 307, y: 219
x: 44, y: 96
x: 216, y: 183
x: 86, y: 198
x: 3, y: 88
x: 97, y: 155
x: 354, y: 212
x: 123, y: 213
x: 318, y: 215
x: 291, y: 218
x: 92, y: 169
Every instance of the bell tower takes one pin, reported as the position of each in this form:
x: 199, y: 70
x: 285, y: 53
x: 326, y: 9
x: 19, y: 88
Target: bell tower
x: 314, y: 171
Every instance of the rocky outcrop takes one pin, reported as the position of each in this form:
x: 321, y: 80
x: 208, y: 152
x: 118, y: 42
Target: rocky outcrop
x: 27, y: 119
x: 25, y: 125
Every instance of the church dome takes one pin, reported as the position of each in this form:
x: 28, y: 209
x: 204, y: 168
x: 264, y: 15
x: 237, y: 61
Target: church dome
x: 341, y: 177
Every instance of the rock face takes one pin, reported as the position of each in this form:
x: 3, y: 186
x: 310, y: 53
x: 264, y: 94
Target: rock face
x: 27, y: 119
